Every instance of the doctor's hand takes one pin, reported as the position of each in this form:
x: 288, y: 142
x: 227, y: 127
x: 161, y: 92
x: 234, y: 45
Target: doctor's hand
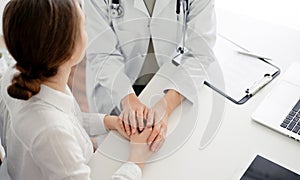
x: 133, y: 114
x: 139, y: 149
x: 113, y: 123
x: 158, y: 117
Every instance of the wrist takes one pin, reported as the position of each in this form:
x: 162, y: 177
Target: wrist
x: 139, y: 154
x: 139, y: 164
x: 126, y: 99
x: 173, y: 99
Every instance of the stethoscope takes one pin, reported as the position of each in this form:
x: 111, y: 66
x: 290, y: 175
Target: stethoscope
x: 117, y: 11
x: 181, y: 5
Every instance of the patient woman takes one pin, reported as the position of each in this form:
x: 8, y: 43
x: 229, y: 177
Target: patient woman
x: 46, y: 134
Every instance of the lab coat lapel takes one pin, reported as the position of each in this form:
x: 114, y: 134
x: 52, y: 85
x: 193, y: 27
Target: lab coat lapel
x: 160, y: 5
x: 140, y: 5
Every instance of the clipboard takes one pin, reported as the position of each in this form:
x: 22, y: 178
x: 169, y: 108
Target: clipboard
x: 243, y: 74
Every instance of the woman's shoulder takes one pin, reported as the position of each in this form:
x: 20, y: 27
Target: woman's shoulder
x: 36, y: 118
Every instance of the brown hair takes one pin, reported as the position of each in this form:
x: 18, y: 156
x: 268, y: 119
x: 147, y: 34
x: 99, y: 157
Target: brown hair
x: 40, y: 35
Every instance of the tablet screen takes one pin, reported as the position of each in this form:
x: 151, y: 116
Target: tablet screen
x: 263, y: 169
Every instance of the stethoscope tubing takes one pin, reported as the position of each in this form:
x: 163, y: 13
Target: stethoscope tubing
x: 116, y: 11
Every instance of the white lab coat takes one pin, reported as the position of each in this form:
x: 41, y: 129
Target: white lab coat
x: 115, y: 55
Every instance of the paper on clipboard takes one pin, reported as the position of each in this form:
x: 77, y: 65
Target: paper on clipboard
x: 240, y: 72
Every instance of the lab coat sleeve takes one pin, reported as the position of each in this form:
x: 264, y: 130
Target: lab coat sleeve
x: 106, y: 60
x: 59, y: 156
x: 93, y: 123
x: 188, y: 77
x: 128, y: 171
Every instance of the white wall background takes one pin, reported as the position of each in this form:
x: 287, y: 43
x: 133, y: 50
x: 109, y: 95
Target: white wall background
x: 283, y: 12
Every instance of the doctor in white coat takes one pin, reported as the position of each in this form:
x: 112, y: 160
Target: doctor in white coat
x: 127, y: 49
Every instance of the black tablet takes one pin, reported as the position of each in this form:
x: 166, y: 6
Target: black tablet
x: 264, y: 169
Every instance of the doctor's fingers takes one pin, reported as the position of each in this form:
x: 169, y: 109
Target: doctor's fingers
x: 126, y: 123
x: 121, y: 127
x: 123, y: 133
x: 150, y: 118
x: 140, y: 118
x: 146, y: 111
x: 132, y: 121
x: 155, y: 132
x: 158, y: 142
x: 121, y: 122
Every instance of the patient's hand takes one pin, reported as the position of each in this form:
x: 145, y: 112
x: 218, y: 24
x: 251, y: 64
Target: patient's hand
x: 139, y: 149
x: 114, y: 123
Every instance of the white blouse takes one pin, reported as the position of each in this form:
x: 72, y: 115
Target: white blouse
x: 47, y: 137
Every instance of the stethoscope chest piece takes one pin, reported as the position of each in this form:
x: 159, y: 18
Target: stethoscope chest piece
x: 116, y: 10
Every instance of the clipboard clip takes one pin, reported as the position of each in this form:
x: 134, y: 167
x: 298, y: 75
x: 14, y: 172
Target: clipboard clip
x: 258, y: 85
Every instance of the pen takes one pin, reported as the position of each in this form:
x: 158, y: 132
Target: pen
x: 253, y: 55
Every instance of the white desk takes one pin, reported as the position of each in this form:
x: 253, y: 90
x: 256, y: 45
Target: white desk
x: 239, y: 139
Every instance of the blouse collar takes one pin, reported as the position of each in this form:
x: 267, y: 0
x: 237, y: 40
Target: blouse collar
x: 62, y: 101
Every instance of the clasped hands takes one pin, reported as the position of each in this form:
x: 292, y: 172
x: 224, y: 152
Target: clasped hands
x: 145, y: 128
x: 136, y: 117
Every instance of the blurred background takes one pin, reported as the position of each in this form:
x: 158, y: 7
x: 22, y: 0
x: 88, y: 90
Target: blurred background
x: 280, y: 12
